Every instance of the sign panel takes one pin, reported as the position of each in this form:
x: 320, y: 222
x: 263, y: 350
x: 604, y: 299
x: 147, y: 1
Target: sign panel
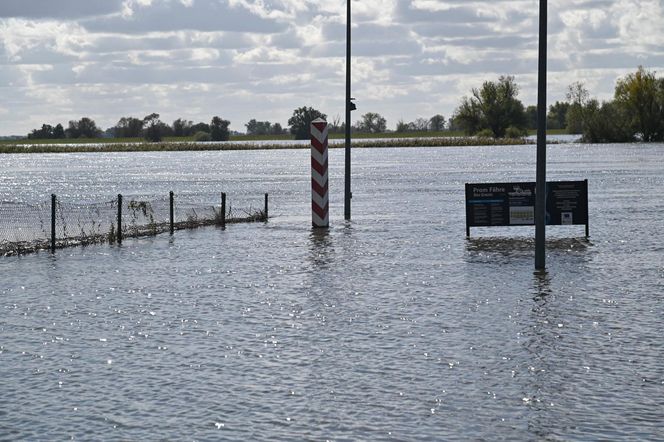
x: 513, y: 204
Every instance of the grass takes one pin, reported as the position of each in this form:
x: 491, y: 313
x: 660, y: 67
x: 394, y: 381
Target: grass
x: 244, y: 142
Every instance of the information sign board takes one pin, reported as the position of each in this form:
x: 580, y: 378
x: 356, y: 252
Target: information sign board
x: 513, y: 204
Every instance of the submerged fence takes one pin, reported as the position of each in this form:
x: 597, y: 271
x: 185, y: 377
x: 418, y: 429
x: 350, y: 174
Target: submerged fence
x: 54, y: 224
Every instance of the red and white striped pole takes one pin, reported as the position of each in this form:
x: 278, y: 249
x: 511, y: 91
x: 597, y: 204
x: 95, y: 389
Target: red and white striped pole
x: 320, y: 203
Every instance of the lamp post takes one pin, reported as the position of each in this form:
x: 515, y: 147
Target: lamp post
x: 347, y: 191
x: 540, y: 186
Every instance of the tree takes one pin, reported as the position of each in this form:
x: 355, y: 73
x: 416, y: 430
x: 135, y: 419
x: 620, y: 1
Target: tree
x: 531, y: 117
x: 402, y: 126
x: 437, y: 123
x: 46, y: 132
x: 200, y: 127
x: 605, y: 123
x: 277, y: 129
x: 258, y: 127
x: 557, y: 116
x: 494, y: 106
x: 58, y: 132
x: 83, y: 128
x: 578, y: 98
x: 153, y: 127
x: 301, y: 120
x: 639, y: 95
x: 182, y: 128
x: 129, y: 127
x: 371, y: 123
x: 419, y: 125
x: 219, y: 129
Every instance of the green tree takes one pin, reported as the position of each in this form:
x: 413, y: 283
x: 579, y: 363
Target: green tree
x: 58, y: 132
x: 219, y: 129
x: 639, y: 97
x: 557, y: 116
x: 531, y: 117
x: 605, y: 123
x: 182, y: 128
x: 578, y: 98
x: 276, y: 129
x: 437, y: 123
x: 494, y: 106
x: 301, y: 120
x: 83, y: 128
x: 371, y: 122
x: 402, y: 126
x: 129, y: 127
x: 153, y: 128
x: 258, y: 127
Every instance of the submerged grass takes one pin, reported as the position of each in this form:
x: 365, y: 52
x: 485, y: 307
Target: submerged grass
x: 103, y: 146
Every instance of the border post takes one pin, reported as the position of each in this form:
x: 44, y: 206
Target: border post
x: 320, y: 204
x: 53, y: 207
x: 119, y: 218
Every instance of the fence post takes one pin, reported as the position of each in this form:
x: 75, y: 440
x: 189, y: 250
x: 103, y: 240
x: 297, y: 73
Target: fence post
x: 266, y: 206
x: 119, y: 218
x: 171, y: 212
x: 223, y: 210
x: 53, y: 206
x: 320, y: 205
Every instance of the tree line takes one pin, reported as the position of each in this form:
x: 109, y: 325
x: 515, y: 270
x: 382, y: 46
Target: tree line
x: 636, y: 112
x: 149, y: 127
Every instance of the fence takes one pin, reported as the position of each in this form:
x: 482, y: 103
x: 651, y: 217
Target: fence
x: 55, y: 224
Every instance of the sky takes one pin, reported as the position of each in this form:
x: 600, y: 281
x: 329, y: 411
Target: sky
x: 243, y: 59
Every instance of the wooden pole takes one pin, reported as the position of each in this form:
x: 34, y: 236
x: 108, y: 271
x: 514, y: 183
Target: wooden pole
x: 172, y: 217
x: 119, y: 218
x: 53, y: 212
x: 223, y: 210
x: 266, y: 206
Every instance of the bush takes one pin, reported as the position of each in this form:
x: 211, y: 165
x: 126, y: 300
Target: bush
x: 514, y: 132
x: 202, y: 136
x: 485, y: 133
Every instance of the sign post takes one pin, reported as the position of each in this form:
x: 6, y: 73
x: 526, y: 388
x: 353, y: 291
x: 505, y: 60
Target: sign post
x: 320, y: 206
x: 347, y: 189
x: 540, y: 206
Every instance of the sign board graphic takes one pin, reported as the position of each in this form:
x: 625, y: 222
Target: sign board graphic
x: 513, y: 204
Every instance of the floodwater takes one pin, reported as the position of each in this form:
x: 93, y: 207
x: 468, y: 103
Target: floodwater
x: 391, y: 327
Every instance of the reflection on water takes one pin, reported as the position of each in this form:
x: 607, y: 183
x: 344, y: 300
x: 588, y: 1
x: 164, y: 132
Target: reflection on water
x: 391, y: 327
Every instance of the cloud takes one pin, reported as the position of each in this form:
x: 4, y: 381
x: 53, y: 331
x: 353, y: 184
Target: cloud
x: 260, y: 59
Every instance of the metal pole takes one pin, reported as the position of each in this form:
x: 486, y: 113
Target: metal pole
x: 119, y: 219
x: 266, y: 206
x: 53, y: 206
x: 540, y: 190
x: 223, y: 210
x: 172, y: 217
x: 347, y: 191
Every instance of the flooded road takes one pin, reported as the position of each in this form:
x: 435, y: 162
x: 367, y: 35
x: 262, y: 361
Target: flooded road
x: 391, y: 327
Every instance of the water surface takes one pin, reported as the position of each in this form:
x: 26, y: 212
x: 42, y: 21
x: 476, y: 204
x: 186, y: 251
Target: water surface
x: 391, y: 327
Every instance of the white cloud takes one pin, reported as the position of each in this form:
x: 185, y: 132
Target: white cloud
x: 260, y: 59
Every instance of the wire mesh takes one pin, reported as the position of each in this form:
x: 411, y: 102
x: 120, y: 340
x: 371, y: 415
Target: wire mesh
x: 28, y: 228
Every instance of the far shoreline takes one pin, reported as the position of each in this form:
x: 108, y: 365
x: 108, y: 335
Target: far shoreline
x: 105, y: 145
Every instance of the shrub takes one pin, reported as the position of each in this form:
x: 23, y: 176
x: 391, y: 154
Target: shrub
x: 514, y: 132
x: 485, y: 133
x: 202, y: 136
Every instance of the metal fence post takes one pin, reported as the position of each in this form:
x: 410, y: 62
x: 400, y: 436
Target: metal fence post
x: 53, y: 206
x: 119, y: 219
x: 223, y: 210
x: 171, y: 212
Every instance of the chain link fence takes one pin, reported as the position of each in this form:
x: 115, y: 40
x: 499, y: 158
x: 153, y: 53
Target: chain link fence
x: 54, y: 224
